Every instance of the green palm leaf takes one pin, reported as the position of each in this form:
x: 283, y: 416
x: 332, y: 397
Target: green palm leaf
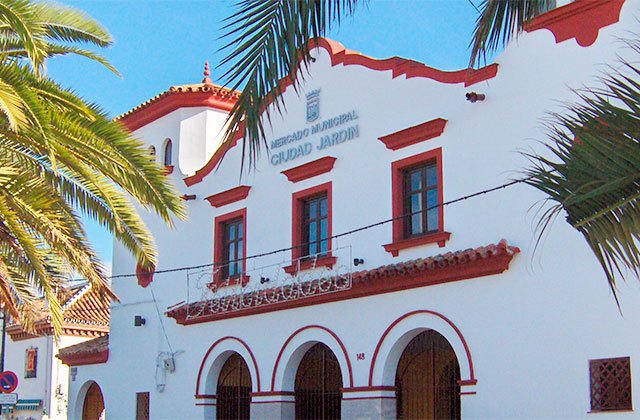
x: 499, y: 20
x: 593, y: 173
x: 269, y: 40
x: 62, y: 157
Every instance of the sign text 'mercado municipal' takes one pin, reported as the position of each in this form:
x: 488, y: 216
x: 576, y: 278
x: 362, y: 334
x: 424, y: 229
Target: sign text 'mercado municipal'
x: 332, y: 132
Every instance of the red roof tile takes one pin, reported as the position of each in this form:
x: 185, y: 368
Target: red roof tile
x: 442, y: 268
x: 85, y: 353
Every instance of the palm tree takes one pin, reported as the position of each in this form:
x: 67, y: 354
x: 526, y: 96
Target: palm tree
x: 62, y: 157
x: 269, y: 41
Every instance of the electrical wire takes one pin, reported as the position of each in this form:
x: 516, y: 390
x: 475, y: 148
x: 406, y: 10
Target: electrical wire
x: 164, y: 331
x: 466, y: 197
x: 350, y: 232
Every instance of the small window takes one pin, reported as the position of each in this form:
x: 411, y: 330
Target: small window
x: 421, y: 200
x: 311, y: 229
x: 315, y: 226
x: 610, y: 384
x: 31, y: 363
x: 168, y: 152
x: 152, y: 152
x: 417, y: 197
x: 142, y: 406
x: 232, y: 248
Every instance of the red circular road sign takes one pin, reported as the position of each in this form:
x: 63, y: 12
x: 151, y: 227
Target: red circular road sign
x: 8, y: 381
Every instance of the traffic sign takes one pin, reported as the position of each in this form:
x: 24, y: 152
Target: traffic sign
x: 8, y: 381
x: 8, y: 399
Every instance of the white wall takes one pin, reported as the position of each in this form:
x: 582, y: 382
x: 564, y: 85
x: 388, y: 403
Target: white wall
x: 531, y: 331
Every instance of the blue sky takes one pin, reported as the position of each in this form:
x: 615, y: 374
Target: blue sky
x: 159, y: 43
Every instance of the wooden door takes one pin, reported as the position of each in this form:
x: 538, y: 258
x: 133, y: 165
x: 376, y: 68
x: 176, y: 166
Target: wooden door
x: 93, y: 407
x: 427, y: 379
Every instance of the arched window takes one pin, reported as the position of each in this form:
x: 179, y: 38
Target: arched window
x: 318, y: 383
x: 234, y: 389
x: 168, y: 152
x: 93, y: 407
x: 152, y: 152
x: 427, y: 379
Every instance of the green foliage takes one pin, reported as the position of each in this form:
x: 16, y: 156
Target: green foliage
x: 499, y: 20
x: 269, y: 41
x: 594, y: 172
x: 61, y: 157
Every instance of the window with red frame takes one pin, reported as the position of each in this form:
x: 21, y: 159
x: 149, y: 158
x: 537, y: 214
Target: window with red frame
x: 315, y: 226
x: 311, y: 229
x: 230, y: 246
x: 417, y: 196
x: 421, y: 200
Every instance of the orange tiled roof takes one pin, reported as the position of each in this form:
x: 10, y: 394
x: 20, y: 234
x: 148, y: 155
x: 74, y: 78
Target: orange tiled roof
x: 441, y: 268
x: 85, y: 312
x: 86, y: 353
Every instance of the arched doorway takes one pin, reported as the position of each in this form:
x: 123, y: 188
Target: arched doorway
x: 93, y: 406
x: 233, y: 392
x: 427, y: 379
x: 318, y: 383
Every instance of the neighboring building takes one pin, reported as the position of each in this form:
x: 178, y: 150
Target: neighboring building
x: 441, y: 315
x: 42, y: 378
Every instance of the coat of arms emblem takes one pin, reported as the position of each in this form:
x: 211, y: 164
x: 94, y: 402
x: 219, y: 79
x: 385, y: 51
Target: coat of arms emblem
x: 313, y: 105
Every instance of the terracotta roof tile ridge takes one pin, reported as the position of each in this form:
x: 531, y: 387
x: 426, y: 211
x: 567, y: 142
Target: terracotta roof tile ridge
x: 76, y: 296
x: 95, y: 345
x: 414, y: 266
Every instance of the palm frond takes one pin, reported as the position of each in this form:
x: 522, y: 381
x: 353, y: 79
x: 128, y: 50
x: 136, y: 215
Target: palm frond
x: 593, y: 172
x: 499, y: 20
x: 269, y: 41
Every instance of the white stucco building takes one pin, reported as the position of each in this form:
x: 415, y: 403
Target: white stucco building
x: 43, y: 380
x: 296, y: 312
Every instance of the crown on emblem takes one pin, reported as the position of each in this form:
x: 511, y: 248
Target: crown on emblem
x: 313, y: 94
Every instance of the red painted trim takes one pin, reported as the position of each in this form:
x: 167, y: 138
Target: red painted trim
x: 204, y: 396
x: 85, y: 358
x: 439, y: 315
x: 467, y: 382
x: 310, y: 169
x: 298, y: 331
x: 213, y: 161
x: 376, y: 285
x: 169, y: 101
x: 168, y: 169
x: 206, y: 404
x: 253, y: 360
x: 145, y: 277
x: 369, y: 389
x: 468, y: 393
x: 581, y: 19
x: 440, y: 238
x: 297, y: 204
x: 403, y: 67
x: 398, y: 66
x: 397, y: 194
x: 416, y: 134
x: 229, y: 196
x: 219, y: 222
x: 326, y: 261
x: 272, y: 394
